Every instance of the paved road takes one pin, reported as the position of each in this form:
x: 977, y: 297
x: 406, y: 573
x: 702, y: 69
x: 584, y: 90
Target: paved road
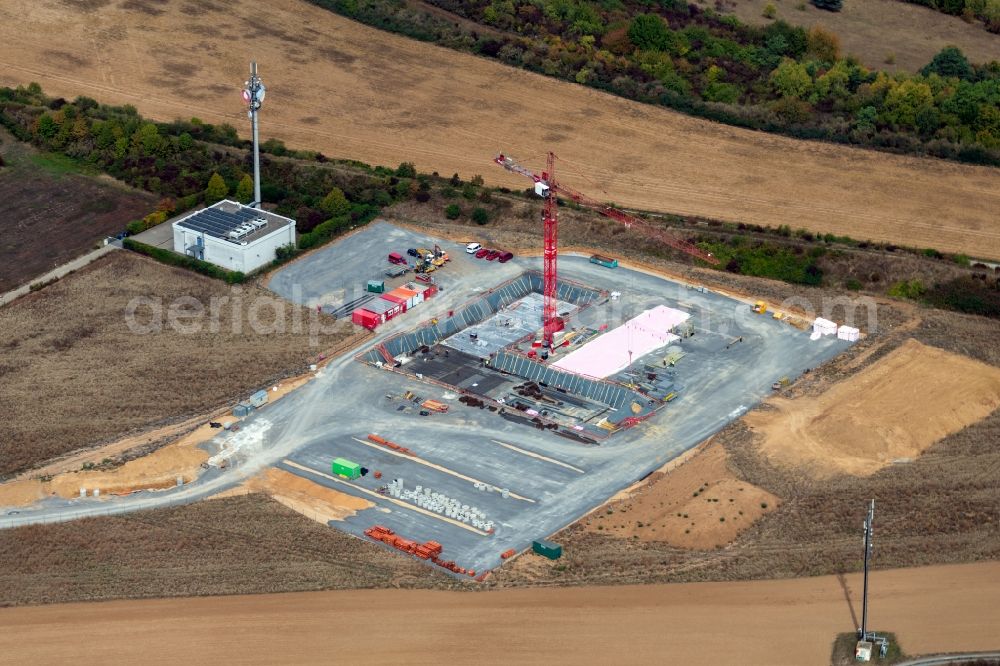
x: 953, y: 659
x: 59, y: 272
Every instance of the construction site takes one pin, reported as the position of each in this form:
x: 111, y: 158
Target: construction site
x: 477, y: 425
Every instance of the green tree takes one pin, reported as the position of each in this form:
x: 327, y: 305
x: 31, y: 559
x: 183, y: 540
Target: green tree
x: 791, y: 79
x: 950, y: 61
x: 649, y: 32
x: 480, y: 215
x: 147, y: 138
x: 452, y: 211
x: 335, y: 203
x: 905, y: 102
x: 244, y: 191
x: 406, y: 170
x: 46, y: 127
x: 217, y: 188
x: 831, y: 5
x: 865, y: 118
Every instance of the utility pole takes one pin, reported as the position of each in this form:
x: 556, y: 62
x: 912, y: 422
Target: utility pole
x: 863, y: 632
x: 253, y: 95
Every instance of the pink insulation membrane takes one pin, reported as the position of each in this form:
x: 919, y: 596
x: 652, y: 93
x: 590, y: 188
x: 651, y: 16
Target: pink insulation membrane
x: 609, y: 353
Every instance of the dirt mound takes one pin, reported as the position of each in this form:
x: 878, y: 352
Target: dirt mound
x: 312, y: 500
x: 698, y: 504
x: 449, y: 112
x: 892, y: 410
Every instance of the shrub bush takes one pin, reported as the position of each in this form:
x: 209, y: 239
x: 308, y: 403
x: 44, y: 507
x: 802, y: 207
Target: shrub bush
x: 173, y: 259
x: 452, y: 211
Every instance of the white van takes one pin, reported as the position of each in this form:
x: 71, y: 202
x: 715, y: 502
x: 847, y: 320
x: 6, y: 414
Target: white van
x: 472, y: 248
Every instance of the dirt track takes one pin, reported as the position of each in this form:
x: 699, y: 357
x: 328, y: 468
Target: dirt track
x: 351, y: 91
x: 771, y: 622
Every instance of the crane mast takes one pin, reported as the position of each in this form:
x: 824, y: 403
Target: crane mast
x: 551, y: 323
x: 547, y: 187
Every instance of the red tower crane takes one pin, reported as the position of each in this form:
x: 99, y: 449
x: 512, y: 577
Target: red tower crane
x: 546, y: 186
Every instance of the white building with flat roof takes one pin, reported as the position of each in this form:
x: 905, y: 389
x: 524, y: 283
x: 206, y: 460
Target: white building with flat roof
x: 233, y: 236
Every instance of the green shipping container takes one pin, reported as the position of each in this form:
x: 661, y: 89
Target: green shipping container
x: 346, y: 468
x: 604, y: 261
x: 548, y: 549
x: 376, y: 286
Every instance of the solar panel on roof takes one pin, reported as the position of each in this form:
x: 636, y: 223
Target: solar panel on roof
x: 223, y: 224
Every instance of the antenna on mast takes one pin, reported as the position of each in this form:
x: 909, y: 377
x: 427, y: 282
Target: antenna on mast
x: 253, y: 95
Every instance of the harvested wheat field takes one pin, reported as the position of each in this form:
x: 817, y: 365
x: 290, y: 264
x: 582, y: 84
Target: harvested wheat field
x: 352, y: 91
x: 75, y: 374
x: 935, y: 609
x: 891, y: 410
x: 873, y: 30
x: 699, y: 504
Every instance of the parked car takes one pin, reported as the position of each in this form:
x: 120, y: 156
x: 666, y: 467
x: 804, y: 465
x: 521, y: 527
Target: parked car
x: 493, y: 254
x: 482, y: 252
x: 505, y: 257
x: 412, y: 252
x: 472, y: 248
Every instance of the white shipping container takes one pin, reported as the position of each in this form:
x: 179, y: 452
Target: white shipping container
x: 824, y: 326
x: 848, y: 333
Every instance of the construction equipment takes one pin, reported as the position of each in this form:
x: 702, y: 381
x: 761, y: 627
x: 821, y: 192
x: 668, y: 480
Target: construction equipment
x: 781, y: 383
x: 760, y: 307
x: 440, y: 254
x: 548, y: 188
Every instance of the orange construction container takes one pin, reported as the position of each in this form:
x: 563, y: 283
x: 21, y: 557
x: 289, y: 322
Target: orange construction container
x: 435, y: 406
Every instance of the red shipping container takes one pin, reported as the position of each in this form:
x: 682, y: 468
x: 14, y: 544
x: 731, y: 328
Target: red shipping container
x: 363, y: 317
x: 430, y: 291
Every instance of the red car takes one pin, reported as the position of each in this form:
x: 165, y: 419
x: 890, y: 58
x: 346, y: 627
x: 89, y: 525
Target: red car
x: 493, y: 255
x: 505, y: 257
x: 482, y: 253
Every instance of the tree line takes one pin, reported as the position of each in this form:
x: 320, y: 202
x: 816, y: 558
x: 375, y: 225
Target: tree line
x: 191, y: 162
x: 776, y: 78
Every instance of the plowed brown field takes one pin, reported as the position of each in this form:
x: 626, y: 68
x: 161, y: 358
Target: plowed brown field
x: 934, y: 609
x: 351, y: 91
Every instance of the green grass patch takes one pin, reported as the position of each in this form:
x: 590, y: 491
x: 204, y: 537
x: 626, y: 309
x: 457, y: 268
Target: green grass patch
x: 56, y: 164
x: 763, y: 259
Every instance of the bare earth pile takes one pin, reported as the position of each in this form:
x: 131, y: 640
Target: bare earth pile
x: 303, y: 496
x: 74, y: 374
x: 892, y: 410
x: 699, y: 504
x: 351, y: 91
